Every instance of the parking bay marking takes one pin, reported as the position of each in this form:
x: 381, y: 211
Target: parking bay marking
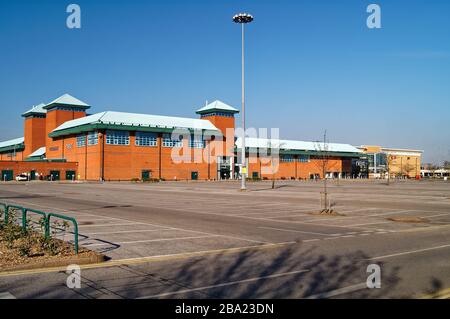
x: 150, y: 240
x: 408, y: 252
x: 155, y: 225
x: 296, y: 231
x: 225, y: 284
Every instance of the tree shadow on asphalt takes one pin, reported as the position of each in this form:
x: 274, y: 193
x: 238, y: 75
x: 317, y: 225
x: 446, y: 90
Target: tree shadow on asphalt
x: 278, y: 274
x: 287, y: 273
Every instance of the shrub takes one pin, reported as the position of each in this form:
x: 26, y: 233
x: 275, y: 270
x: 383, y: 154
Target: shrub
x: 11, y: 233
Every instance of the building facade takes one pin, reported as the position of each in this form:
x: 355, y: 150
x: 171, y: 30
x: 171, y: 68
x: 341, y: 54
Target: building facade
x: 392, y: 162
x: 62, y: 141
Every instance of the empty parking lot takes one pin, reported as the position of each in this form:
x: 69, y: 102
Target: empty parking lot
x: 197, y: 239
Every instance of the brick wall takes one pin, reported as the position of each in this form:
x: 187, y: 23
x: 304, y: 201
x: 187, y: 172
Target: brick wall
x: 42, y: 168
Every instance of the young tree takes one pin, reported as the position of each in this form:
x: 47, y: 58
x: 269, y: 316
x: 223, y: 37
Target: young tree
x: 273, y: 150
x: 446, y: 164
x: 388, y: 168
x: 322, y: 148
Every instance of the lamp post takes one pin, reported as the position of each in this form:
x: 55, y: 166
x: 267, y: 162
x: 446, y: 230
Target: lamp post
x: 243, y: 18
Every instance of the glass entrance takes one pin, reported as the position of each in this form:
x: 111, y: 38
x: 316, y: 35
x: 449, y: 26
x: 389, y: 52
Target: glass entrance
x: 224, y: 167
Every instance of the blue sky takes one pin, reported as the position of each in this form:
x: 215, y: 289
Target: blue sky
x: 311, y: 65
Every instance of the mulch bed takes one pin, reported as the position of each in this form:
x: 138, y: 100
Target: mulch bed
x: 32, y: 251
x: 327, y: 212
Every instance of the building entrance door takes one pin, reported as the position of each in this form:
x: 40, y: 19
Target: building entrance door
x: 224, y: 167
x: 54, y: 176
x: 70, y: 175
x: 7, y: 175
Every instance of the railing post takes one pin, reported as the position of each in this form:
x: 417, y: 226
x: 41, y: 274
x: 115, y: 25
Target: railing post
x: 4, y: 207
x: 6, y: 214
x: 38, y: 212
x: 71, y: 219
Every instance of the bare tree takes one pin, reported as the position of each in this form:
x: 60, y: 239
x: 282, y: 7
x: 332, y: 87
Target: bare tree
x: 322, y: 148
x: 388, y: 168
x: 446, y: 164
x: 273, y: 155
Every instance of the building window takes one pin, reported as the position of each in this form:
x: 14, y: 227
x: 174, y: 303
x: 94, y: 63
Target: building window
x: 92, y: 138
x: 81, y: 140
x: 169, y: 142
x: 196, y: 142
x: 146, y: 139
x: 117, y: 138
x: 303, y: 158
x: 287, y: 158
x: 223, y: 114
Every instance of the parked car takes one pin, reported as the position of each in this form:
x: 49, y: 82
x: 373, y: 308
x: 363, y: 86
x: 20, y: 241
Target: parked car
x: 22, y: 177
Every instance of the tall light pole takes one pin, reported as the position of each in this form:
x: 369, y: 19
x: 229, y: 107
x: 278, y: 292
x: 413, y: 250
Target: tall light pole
x: 243, y: 18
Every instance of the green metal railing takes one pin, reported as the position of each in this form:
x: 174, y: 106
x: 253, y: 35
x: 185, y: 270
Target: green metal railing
x: 33, y: 211
x: 71, y: 219
x: 47, y: 220
x: 4, y: 207
x: 8, y: 207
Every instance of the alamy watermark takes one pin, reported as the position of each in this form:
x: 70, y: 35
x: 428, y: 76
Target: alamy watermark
x: 73, y: 21
x: 374, y: 279
x: 74, y: 277
x: 374, y: 19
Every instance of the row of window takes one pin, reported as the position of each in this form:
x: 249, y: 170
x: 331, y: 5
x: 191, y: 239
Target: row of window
x: 142, y: 139
x: 291, y: 158
x: 223, y: 114
x: 92, y: 139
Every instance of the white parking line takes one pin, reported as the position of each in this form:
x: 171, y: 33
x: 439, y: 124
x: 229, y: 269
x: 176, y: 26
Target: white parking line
x: 339, y: 291
x: 149, y: 241
x: 106, y: 225
x: 224, y: 284
x: 408, y: 252
x: 84, y: 220
x: 310, y: 240
x: 295, y: 231
x: 365, y: 224
x: 156, y: 225
x: 125, y: 231
x: 6, y: 295
x: 362, y: 216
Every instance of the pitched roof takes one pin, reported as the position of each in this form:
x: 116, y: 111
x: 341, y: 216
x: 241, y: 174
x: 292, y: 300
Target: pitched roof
x: 251, y: 142
x: 217, y: 106
x: 67, y: 99
x: 16, y: 141
x: 143, y: 120
x: 38, y: 152
x: 37, y: 109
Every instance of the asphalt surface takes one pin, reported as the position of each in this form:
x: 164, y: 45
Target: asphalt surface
x: 209, y: 240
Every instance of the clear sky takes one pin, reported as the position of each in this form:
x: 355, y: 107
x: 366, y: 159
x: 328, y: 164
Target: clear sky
x: 311, y: 65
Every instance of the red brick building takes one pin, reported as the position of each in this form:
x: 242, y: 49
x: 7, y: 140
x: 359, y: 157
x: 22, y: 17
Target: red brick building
x: 61, y: 141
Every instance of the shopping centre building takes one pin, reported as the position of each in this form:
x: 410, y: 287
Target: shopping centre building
x: 62, y: 141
